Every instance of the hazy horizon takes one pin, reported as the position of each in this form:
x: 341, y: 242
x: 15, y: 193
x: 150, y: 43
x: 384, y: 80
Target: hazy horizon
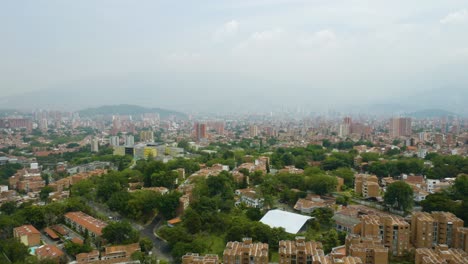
x: 235, y: 55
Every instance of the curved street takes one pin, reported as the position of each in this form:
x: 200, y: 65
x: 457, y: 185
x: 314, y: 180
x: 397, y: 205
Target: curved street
x: 160, y: 247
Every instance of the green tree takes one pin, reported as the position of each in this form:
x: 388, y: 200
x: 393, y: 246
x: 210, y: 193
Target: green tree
x: 73, y: 248
x: 82, y: 188
x: 460, y: 187
x: 146, y: 244
x: 8, y: 207
x: 323, y: 216
x: 164, y: 179
x: 439, y: 202
x: 14, y: 250
x: 399, y: 195
x: 347, y: 174
x: 120, y: 233
x: 44, y: 193
x: 168, y: 203
x: 370, y: 156
x: 330, y: 239
x: 321, y: 183
x: 192, y: 221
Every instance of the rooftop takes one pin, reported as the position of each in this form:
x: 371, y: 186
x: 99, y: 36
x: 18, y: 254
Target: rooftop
x: 291, y: 222
x: 48, y: 251
x: 26, y: 230
x: 92, y: 224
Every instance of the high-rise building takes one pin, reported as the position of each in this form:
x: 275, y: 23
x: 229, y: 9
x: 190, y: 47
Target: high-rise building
x: 200, y: 131
x: 245, y: 252
x: 15, y: 123
x: 43, y: 124
x: 344, y: 130
x: 445, y: 225
x: 253, y: 131
x: 114, y: 141
x: 422, y: 230
x: 95, y: 145
x: 393, y: 230
x: 147, y: 136
x: 129, y: 140
x: 400, y: 127
x: 347, y: 121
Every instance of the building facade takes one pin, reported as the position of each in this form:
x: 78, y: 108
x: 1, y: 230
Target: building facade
x: 195, y: 258
x: 300, y: 252
x: 28, y: 235
x: 85, y: 223
x: 369, y: 249
x: 245, y: 252
x: 367, y: 185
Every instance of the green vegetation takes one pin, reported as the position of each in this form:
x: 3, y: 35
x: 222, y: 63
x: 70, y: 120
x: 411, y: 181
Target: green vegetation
x: 452, y: 200
x: 399, y: 195
x: 8, y: 170
x: 119, y: 233
x: 447, y: 166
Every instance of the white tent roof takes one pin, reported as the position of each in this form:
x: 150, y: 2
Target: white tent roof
x: 291, y: 222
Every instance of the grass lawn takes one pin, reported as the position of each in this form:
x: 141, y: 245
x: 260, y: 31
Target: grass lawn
x: 214, y: 243
x: 274, y: 257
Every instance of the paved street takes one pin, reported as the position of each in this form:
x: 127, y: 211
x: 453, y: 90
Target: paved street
x: 160, y: 248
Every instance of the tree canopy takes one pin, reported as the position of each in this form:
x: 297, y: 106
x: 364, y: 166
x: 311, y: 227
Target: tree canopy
x: 399, y: 195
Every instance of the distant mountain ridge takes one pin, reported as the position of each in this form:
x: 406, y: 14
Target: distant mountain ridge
x: 127, y: 109
x: 431, y: 113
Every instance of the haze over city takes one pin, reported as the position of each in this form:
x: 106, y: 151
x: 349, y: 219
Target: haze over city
x: 234, y: 132
x: 228, y: 56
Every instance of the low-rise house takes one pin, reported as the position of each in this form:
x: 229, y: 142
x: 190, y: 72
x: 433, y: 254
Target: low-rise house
x: 90, y: 257
x: 120, y: 252
x: 49, y: 252
x: 250, y: 198
x: 195, y: 258
x: 311, y: 202
x: 291, y: 170
x: 51, y: 233
x: 28, y: 235
x: 85, y: 223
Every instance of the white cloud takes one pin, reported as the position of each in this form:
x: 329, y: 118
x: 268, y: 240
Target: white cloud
x: 455, y: 17
x: 228, y: 30
x: 267, y: 35
x: 262, y: 39
x: 324, y: 37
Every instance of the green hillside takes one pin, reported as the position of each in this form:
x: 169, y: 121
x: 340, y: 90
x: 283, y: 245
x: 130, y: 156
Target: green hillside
x: 124, y: 109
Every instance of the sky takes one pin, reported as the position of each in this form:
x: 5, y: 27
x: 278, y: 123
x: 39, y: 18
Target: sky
x: 187, y: 54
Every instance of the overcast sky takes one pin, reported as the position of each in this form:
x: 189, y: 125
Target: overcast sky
x: 289, y: 50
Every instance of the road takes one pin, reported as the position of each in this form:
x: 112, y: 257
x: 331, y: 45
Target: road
x: 160, y: 247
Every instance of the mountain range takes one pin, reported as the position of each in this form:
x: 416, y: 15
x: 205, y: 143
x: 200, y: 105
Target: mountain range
x: 125, y: 109
x: 215, y: 95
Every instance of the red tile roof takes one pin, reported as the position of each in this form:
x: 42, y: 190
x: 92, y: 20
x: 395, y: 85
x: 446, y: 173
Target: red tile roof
x: 26, y: 230
x: 90, y: 223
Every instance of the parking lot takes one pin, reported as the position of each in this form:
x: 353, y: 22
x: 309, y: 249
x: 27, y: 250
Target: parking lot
x: 60, y: 242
